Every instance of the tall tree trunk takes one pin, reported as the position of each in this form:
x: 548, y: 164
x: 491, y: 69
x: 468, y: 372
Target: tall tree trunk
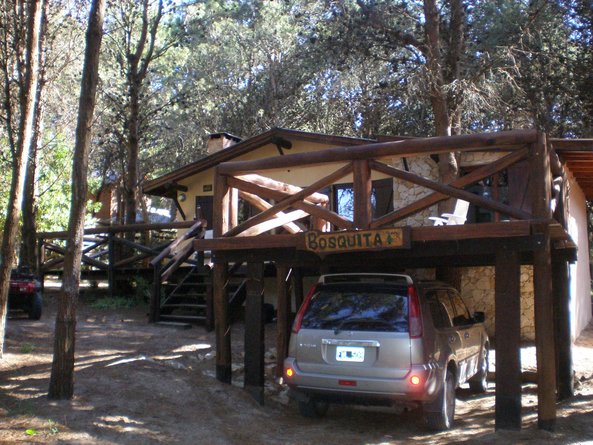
x: 131, y: 177
x: 19, y: 156
x: 61, y: 384
x: 440, y: 71
x: 28, y: 252
x: 448, y: 169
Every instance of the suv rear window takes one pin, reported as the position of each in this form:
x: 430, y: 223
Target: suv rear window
x: 358, y: 307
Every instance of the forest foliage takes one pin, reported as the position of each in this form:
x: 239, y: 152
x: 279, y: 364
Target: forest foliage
x: 172, y: 72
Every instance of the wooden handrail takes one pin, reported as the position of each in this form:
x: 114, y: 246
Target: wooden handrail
x: 120, y: 229
x: 506, y: 140
x: 200, y: 224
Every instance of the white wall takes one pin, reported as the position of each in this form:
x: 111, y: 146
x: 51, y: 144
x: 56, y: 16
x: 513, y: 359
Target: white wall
x: 580, y: 278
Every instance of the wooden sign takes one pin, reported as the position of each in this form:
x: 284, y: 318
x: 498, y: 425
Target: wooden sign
x: 358, y: 240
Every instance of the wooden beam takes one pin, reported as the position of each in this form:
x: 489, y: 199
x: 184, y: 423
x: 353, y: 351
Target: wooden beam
x: 248, y: 242
x: 562, y: 336
x: 466, y: 180
x: 312, y: 209
x: 542, y: 285
x: 120, y: 229
x: 287, y: 202
x: 254, y: 333
x: 280, y: 220
x: 289, y: 189
x: 282, y: 317
x: 508, y: 229
x: 197, y: 227
x: 222, y: 323
x: 363, y: 212
x: 84, y: 259
x: 180, y: 257
x: 508, y: 340
x: 471, y: 231
x: 259, y: 203
x: 220, y: 211
x: 509, y: 140
x: 453, y: 192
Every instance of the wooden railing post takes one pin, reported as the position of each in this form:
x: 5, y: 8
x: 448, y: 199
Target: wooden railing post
x: 561, y: 290
x: 111, y: 264
x: 363, y: 212
x: 254, y: 332
x: 155, y: 299
x: 507, y: 306
x: 220, y: 225
x: 540, y: 181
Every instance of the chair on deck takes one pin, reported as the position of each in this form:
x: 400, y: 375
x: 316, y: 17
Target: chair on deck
x: 458, y: 216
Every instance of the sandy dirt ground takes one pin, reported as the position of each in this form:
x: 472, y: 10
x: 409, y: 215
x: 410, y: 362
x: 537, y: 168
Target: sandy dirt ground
x: 138, y: 383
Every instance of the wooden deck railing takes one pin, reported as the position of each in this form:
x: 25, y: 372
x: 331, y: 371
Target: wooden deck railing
x: 111, y: 249
x: 285, y: 205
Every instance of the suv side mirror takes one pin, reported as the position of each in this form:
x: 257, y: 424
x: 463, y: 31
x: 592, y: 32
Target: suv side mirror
x: 479, y: 317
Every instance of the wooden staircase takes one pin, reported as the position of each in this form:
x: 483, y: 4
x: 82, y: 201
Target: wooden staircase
x: 188, y: 297
x: 182, y: 286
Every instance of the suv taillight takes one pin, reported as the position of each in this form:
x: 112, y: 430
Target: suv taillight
x: 414, y: 316
x: 298, y: 320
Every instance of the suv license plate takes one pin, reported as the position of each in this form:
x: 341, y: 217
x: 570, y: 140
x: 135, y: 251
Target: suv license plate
x: 350, y: 354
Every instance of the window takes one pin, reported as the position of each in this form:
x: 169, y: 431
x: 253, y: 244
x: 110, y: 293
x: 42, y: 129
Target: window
x: 494, y: 187
x: 438, y: 310
x: 381, y: 198
x: 462, y: 317
x: 204, y: 209
x: 363, y: 307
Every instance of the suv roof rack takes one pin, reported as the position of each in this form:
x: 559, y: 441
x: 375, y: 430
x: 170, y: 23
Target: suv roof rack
x: 366, y: 278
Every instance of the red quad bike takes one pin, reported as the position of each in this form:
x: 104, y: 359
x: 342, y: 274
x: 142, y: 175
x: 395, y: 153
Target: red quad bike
x: 25, y: 293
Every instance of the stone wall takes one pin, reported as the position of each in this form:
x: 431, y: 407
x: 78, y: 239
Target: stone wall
x: 477, y: 290
x: 405, y: 193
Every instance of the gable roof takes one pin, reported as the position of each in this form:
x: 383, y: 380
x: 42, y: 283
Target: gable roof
x: 164, y: 185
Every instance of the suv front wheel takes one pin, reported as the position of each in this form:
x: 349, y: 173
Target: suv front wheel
x: 444, y: 406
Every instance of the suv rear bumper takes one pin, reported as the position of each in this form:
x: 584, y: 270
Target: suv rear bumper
x: 334, y: 387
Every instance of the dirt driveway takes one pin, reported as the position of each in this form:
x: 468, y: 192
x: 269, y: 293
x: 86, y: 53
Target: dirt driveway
x: 141, y: 384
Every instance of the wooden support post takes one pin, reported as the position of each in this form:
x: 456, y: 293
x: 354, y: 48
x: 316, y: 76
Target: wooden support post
x: 222, y: 322
x: 283, y: 322
x: 508, y: 340
x: 363, y: 212
x: 297, y: 277
x: 254, y: 332
x: 111, y: 265
x: 560, y: 287
x: 540, y: 182
x: 155, y: 298
x: 220, y: 224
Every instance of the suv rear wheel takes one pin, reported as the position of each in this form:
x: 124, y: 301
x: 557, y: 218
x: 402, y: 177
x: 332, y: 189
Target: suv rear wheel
x: 444, y: 406
x: 313, y: 408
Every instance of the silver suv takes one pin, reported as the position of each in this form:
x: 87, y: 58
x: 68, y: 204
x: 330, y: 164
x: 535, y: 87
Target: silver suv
x: 385, y: 339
